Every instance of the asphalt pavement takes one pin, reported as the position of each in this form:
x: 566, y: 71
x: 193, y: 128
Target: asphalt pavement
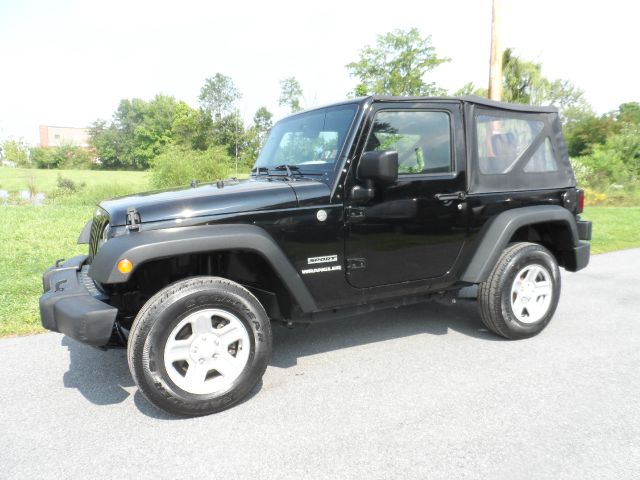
x: 417, y: 392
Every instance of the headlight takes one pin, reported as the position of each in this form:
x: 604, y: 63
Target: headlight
x: 105, y: 235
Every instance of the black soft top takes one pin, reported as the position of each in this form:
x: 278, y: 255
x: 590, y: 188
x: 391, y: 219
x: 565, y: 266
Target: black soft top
x: 507, y: 173
x: 466, y: 99
x: 485, y: 102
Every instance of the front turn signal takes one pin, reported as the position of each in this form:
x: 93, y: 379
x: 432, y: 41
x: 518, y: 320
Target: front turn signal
x: 125, y: 266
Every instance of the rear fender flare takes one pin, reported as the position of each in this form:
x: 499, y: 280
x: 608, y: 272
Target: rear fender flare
x: 495, y: 236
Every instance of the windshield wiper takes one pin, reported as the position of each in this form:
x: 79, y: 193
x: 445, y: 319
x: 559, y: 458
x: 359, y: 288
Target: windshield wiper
x: 258, y: 171
x: 289, y: 169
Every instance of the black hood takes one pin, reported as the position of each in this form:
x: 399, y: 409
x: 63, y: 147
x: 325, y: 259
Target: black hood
x: 209, y: 199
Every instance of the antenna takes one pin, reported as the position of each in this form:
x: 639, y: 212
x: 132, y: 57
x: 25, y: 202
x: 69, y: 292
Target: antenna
x: 236, y: 135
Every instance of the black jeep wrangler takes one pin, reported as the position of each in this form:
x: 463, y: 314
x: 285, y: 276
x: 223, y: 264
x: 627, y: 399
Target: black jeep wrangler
x: 366, y: 204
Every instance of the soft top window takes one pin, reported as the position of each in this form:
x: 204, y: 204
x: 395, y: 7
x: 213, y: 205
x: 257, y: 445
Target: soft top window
x: 516, y: 151
x: 501, y: 141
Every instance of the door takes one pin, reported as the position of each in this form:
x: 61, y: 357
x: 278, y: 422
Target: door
x: 412, y: 230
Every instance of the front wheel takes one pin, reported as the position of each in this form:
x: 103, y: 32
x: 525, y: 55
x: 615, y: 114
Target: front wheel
x: 521, y: 294
x: 199, y: 346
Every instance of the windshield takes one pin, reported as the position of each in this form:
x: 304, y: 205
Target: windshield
x: 308, y: 143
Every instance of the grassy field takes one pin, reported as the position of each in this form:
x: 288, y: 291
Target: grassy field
x: 15, y: 179
x: 32, y: 238
x: 614, y: 228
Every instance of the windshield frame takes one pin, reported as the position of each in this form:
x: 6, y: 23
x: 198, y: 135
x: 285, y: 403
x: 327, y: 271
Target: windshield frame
x: 327, y: 175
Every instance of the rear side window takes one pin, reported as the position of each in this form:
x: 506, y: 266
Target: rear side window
x: 517, y: 151
x: 501, y: 141
x: 422, y: 140
x: 544, y: 160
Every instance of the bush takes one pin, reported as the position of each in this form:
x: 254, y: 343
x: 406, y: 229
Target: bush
x: 178, y: 166
x: 582, y: 172
x: 626, y: 144
x: 67, y: 184
x: 617, y: 162
x: 606, y: 167
x: 16, y: 151
x: 66, y: 156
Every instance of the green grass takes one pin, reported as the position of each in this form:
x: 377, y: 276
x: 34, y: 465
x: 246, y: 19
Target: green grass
x: 614, y: 228
x: 32, y: 238
x: 15, y: 179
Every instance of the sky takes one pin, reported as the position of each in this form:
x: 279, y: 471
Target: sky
x: 70, y: 62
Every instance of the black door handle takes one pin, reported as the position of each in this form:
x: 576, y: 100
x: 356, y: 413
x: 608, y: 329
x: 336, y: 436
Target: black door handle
x: 447, y: 197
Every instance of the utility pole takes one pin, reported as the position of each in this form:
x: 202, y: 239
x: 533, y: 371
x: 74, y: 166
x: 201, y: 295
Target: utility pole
x: 495, y: 67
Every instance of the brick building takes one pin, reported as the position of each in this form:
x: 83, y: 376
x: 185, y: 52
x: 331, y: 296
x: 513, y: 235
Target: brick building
x: 51, y: 136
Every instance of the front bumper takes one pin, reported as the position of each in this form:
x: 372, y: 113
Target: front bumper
x: 71, y: 304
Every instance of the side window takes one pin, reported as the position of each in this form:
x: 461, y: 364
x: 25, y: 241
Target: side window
x: 422, y: 140
x: 543, y: 161
x: 501, y: 141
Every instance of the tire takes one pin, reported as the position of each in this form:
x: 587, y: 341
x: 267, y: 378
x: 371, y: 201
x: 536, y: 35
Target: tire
x: 521, y: 294
x: 199, y: 346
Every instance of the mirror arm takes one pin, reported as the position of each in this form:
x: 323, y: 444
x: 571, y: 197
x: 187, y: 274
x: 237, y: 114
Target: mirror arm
x: 364, y: 193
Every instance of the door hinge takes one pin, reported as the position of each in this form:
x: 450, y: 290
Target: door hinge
x: 355, y: 263
x: 447, y: 197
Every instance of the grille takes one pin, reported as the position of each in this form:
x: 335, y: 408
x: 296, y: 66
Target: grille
x: 98, y: 225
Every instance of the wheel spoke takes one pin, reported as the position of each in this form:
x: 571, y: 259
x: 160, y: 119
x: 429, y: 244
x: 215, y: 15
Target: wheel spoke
x: 518, y: 306
x: 543, y: 289
x: 201, y: 325
x: 536, y: 309
x: 196, y: 374
x: 532, y: 274
x: 178, y: 350
x: 227, y: 365
x: 229, y: 334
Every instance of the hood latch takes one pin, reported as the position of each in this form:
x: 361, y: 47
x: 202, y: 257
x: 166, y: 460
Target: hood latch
x: 133, y: 220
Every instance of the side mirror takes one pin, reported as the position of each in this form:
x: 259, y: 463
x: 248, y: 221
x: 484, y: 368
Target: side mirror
x: 381, y: 167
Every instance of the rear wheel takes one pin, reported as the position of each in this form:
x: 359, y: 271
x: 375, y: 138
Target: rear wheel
x: 199, y: 346
x: 521, y: 294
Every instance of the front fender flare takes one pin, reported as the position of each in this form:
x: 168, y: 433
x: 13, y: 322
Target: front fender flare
x: 156, y: 244
x: 495, y: 236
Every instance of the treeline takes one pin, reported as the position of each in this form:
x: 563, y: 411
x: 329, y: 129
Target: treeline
x: 169, y: 136
x: 605, y: 149
x: 180, y: 142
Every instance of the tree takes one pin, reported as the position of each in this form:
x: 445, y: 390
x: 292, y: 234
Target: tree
x: 218, y: 95
x: 397, y: 65
x: 191, y: 128
x: 290, y: 94
x: 255, y: 136
x: 64, y: 156
x: 470, y: 88
x: 568, y: 99
x: 522, y: 80
x: 139, y: 131
x: 629, y: 113
x: 587, y: 131
x: 262, y: 122
x: 17, y: 151
x: 229, y: 131
x: 109, y: 143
